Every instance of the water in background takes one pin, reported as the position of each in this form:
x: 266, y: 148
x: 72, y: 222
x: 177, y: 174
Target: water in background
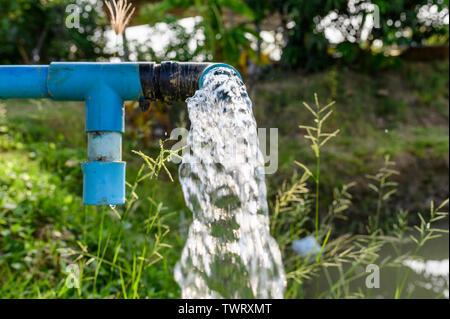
x: 428, y: 276
x: 229, y: 252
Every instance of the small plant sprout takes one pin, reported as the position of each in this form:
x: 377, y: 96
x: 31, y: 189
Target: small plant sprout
x: 155, y: 165
x: 384, y: 188
x: 342, y: 200
x: 317, y: 138
x: 312, y: 248
x: 120, y: 12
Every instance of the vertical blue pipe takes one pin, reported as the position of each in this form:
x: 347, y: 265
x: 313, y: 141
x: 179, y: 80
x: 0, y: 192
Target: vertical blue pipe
x: 104, y: 87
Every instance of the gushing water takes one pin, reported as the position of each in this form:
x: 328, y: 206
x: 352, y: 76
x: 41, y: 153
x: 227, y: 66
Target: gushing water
x: 229, y: 252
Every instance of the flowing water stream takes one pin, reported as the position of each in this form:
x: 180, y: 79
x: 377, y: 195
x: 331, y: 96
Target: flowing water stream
x: 229, y: 252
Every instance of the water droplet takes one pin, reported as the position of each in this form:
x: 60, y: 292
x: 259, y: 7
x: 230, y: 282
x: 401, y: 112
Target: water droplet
x: 113, y: 207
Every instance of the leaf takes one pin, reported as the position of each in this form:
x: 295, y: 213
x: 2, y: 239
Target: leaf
x: 310, y: 133
x: 316, y: 150
x: 443, y: 204
x: 316, y: 99
x: 323, y: 245
x: 391, y: 184
x: 309, y: 137
x: 305, y: 168
x: 83, y: 247
x: 116, y: 254
x: 305, y: 176
x: 116, y: 213
x: 90, y: 261
x: 390, y: 171
x: 329, y: 137
x: 239, y: 7
x: 340, y: 209
x: 326, y: 116
x: 326, y: 107
x: 307, y: 127
x: 422, y: 220
x: 389, y: 194
x: 310, y: 109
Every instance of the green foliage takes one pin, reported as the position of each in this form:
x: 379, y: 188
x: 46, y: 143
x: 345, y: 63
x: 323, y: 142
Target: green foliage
x: 292, y: 219
x: 384, y: 189
x: 424, y: 232
x: 222, y: 43
x: 318, y: 138
x: 428, y: 84
x: 304, y: 46
x: 34, y: 32
x: 399, y: 25
x: 398, y: 16
x: 155, y: 165
x: 113, y: 260
x: 44, y: 227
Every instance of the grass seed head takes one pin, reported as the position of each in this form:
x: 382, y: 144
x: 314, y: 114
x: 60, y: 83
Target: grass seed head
x: 120, y: 13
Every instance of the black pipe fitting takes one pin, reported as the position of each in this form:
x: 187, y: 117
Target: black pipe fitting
x: 169, y: 81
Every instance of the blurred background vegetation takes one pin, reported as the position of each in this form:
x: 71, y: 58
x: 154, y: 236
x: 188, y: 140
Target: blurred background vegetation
x: 385, y: 63
x: 310, y: 34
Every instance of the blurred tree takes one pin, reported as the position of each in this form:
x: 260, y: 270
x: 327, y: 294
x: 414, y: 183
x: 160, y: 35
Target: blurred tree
x: 411, y: 22
x: 393, y: 24
x: 261, y: 10
x: 304, y: 45
x: 224, y: 40
x: 303, y: 24
x: 35, y: 31
x: 399, y: 22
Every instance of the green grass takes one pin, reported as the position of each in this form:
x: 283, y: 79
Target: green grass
x: 42, y: 216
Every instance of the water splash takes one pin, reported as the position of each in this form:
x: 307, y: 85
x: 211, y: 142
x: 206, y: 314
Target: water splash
x: 229, y: 252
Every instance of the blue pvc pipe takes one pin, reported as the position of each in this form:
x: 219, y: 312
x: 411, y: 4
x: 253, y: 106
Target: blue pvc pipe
x: 104, y: 87
x: 23, y: 81
x: 75, y: 81
x: 103, y: 183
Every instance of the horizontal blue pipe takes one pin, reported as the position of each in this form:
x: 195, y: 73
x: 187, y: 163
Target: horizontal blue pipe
x: 23, y: 81
x: 77, y: 81
x: 70, y: 81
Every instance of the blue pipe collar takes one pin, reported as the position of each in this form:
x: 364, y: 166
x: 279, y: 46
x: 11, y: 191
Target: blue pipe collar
x: 213, y: 66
